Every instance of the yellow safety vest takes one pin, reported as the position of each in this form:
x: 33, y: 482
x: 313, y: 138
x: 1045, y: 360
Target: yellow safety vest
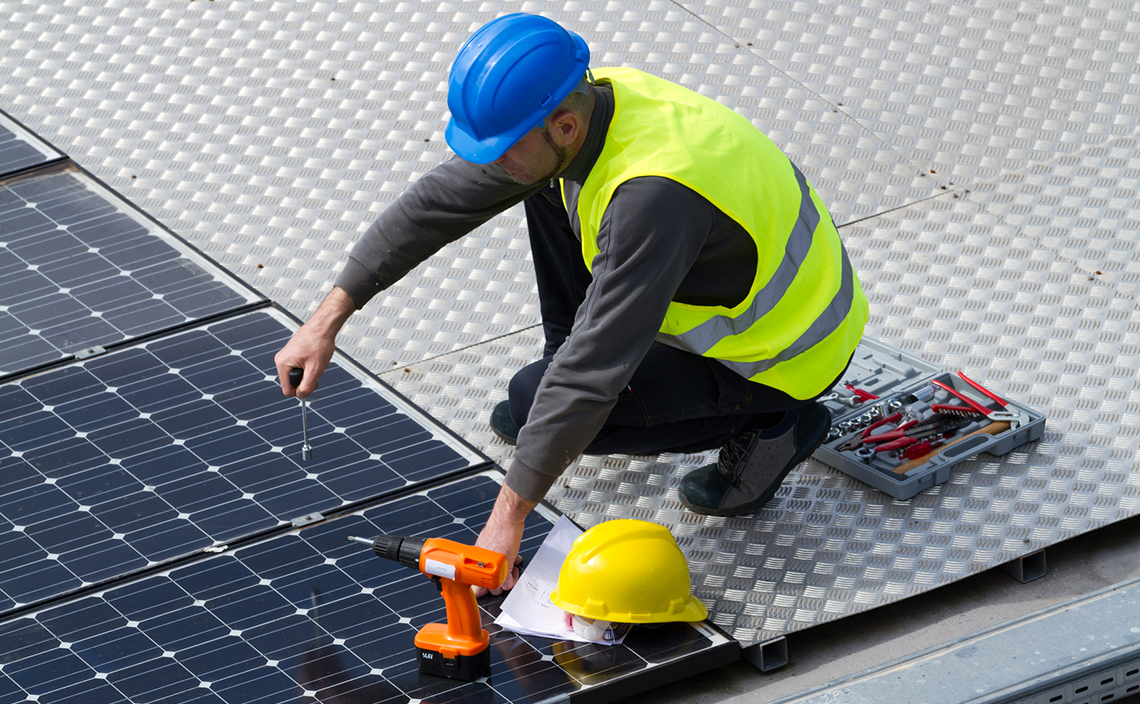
x: 805, y: 312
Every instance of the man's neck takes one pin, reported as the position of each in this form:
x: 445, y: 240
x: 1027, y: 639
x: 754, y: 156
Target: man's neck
x: 593, y: 137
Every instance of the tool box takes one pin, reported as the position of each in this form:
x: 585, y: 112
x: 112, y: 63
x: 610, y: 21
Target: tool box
x: 910, y: 437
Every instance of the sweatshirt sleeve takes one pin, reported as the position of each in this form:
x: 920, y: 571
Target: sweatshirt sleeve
x: 650, y: 235
x: 448, y: 202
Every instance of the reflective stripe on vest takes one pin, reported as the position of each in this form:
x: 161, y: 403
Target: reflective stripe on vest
x: 702, y: 338
x: 827, y: 322
x: 805, y: 311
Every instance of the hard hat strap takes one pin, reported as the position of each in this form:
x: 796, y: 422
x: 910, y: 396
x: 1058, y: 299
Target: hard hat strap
x: 583, y: 86
x: 592, y: 630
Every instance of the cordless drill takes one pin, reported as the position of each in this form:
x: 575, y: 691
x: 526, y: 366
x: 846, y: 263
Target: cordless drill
x: 457, y: 650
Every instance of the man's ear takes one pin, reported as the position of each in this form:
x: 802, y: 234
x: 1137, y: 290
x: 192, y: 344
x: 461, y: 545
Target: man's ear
x: 565, y: 128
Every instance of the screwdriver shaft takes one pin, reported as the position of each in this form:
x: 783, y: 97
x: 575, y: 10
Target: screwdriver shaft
x: 306, y: 451
x: 295, y: 376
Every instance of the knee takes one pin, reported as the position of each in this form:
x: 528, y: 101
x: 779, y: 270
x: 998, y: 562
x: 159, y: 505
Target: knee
x: 522, y: 388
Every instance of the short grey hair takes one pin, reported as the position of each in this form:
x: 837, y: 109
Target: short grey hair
x: 580, y: 99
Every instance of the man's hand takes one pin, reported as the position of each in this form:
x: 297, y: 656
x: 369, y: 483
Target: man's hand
x: 503, y: 533
x: 312, y: 346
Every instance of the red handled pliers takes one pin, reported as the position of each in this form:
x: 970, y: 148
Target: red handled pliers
x: 1014, y: 417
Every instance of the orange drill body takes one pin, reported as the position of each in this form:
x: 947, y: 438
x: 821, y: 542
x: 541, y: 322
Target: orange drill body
x: 459, y: 567
x: 457, y: 650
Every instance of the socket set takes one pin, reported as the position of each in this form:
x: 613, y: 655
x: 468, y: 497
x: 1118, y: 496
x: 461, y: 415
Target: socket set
x: 901, y: 424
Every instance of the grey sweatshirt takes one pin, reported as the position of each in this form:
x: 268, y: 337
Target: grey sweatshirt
x: 658, y: 240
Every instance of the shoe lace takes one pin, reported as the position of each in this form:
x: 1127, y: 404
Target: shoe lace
x: 733, y: 455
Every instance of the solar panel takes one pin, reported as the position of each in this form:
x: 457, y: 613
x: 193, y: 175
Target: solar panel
x: 79, y: 267
x: 20, y: 149
x: 309, y: 616
x: 154, y: 451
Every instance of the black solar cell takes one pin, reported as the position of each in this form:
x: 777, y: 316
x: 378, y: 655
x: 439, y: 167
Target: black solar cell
x: 79, y: 269
x: 152, y: 452
x: 20, y: 149
x: 310, y: 617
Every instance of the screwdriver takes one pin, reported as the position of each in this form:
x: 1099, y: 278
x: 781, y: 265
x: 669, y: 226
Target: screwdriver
x: 295, y: 376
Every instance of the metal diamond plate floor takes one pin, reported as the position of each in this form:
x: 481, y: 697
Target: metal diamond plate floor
x: 984, y: 157
x: 970, y: 91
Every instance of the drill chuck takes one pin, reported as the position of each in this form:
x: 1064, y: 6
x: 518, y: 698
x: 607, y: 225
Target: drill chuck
x: 406, y: 551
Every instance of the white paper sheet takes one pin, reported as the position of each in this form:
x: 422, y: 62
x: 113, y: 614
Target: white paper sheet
x: 528, y: 609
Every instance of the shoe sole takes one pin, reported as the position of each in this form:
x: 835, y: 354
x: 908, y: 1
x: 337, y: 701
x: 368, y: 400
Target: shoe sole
x: 751, y: 508
x: 503, y: 436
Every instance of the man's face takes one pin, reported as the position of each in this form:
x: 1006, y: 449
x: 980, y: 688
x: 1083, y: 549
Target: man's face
x: 535, y: 158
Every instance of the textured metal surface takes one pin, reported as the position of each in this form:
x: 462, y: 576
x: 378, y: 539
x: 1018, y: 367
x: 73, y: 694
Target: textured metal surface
x: 967, y: 90
x: 228, y: 116
x: 462, y: 388
x: 271, y: 136
x: 958, y: 286
x: 1081, y: 209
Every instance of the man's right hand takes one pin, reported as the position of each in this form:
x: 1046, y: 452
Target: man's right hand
x: 503, y: 533
x: 312, y: 346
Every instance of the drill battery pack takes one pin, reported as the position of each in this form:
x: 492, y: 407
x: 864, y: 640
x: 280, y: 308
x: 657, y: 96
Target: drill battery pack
x: 459, y: 649
x: 461, y: 667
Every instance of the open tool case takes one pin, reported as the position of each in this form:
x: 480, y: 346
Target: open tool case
x: 905, y: 384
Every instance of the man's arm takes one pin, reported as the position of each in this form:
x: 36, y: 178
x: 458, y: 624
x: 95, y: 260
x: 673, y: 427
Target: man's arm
x: 446, y: 203
x: 449, y: 201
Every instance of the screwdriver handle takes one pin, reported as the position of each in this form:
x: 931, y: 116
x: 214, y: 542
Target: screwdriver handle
x: 295, y: 376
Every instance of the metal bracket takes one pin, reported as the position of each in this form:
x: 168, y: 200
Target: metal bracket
x: 1027, y: 567
x: 306, y: 520
x: 767, y: 656
x: 90, y: 352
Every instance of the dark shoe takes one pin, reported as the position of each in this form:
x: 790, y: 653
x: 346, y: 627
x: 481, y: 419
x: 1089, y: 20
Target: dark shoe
x: 752, y: 464
x: 502, y: 424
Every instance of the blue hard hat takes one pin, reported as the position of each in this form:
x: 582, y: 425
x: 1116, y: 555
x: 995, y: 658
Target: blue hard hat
x: 511, y: 74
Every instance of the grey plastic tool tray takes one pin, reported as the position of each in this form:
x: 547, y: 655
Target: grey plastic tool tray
x: 888, y: 374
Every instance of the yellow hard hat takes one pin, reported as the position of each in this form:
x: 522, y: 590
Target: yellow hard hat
x: 629, y: 571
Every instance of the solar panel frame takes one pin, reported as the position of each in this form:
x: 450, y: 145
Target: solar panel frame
x: 157, y: 451
x: 82, y: 268
x: 22, y: 149
x: 310, y: 617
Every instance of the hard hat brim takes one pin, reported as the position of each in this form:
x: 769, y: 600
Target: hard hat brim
x: 695, y: 610
x: 481, y: 151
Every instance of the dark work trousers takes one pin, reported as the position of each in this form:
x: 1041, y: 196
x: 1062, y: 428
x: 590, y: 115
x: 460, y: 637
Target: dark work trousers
x: 676, y: 401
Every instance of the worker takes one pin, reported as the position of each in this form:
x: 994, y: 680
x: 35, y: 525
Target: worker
x: 693, y: 289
